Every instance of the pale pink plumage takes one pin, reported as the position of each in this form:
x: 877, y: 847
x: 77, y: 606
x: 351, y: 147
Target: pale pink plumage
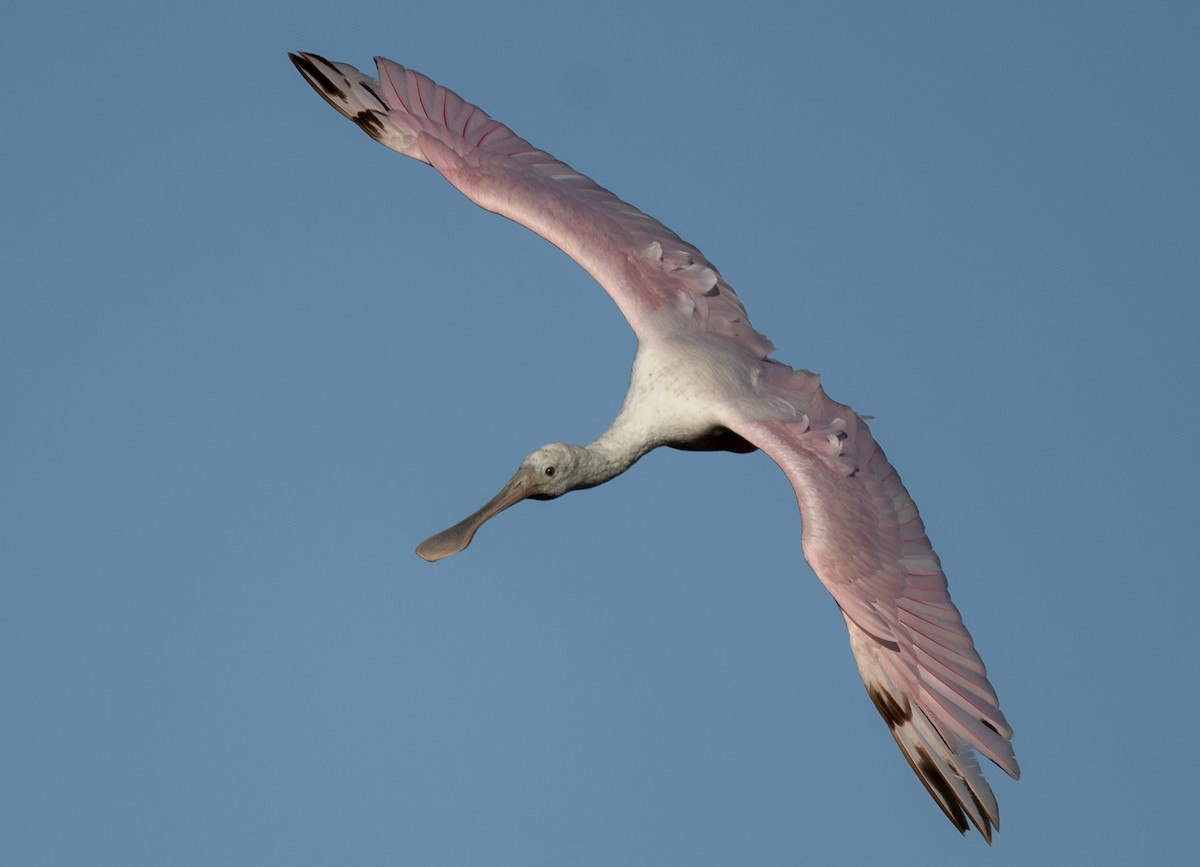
x: 702, y: 380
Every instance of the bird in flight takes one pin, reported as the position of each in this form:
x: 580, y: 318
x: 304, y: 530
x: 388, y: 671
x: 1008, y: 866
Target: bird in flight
x: 703, y: 379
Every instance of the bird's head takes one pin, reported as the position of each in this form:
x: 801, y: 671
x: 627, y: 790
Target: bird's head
x: 551, y: 469
x: 545, y: 473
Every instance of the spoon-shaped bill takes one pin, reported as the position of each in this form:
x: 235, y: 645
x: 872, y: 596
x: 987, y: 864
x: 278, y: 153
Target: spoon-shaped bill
x: 459, y: 536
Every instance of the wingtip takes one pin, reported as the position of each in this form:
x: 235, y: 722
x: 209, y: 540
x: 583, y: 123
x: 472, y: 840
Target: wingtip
x: 306, y: 64
x: 300, y: 58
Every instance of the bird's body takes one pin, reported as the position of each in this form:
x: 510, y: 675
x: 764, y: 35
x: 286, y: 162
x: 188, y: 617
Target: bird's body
x: 702, y: 379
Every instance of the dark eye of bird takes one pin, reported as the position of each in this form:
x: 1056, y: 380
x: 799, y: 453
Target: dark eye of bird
x: 549, y: 471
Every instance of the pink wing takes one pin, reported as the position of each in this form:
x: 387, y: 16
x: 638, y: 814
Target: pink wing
x: 864, y: 538
x: 641, y: 263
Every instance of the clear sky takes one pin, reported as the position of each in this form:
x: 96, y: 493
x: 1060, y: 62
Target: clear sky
x: 249, y: 359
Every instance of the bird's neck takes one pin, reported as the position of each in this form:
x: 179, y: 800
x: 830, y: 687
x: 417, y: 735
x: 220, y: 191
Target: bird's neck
x: 615, y: 451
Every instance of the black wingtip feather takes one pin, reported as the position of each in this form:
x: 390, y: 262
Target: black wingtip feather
x: 318, y: 79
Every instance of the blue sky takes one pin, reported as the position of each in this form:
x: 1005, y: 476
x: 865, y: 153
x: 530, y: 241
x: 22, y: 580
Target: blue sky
x: 249, y: 359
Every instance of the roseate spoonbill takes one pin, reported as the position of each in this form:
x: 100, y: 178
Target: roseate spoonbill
x: 702, y: 380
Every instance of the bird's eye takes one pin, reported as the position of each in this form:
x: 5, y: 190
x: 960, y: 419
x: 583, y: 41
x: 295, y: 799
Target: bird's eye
x: 549, y: 471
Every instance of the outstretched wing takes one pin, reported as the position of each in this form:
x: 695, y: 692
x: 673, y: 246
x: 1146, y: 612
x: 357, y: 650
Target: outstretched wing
x: 641, y: 263
x: 864, y: 538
